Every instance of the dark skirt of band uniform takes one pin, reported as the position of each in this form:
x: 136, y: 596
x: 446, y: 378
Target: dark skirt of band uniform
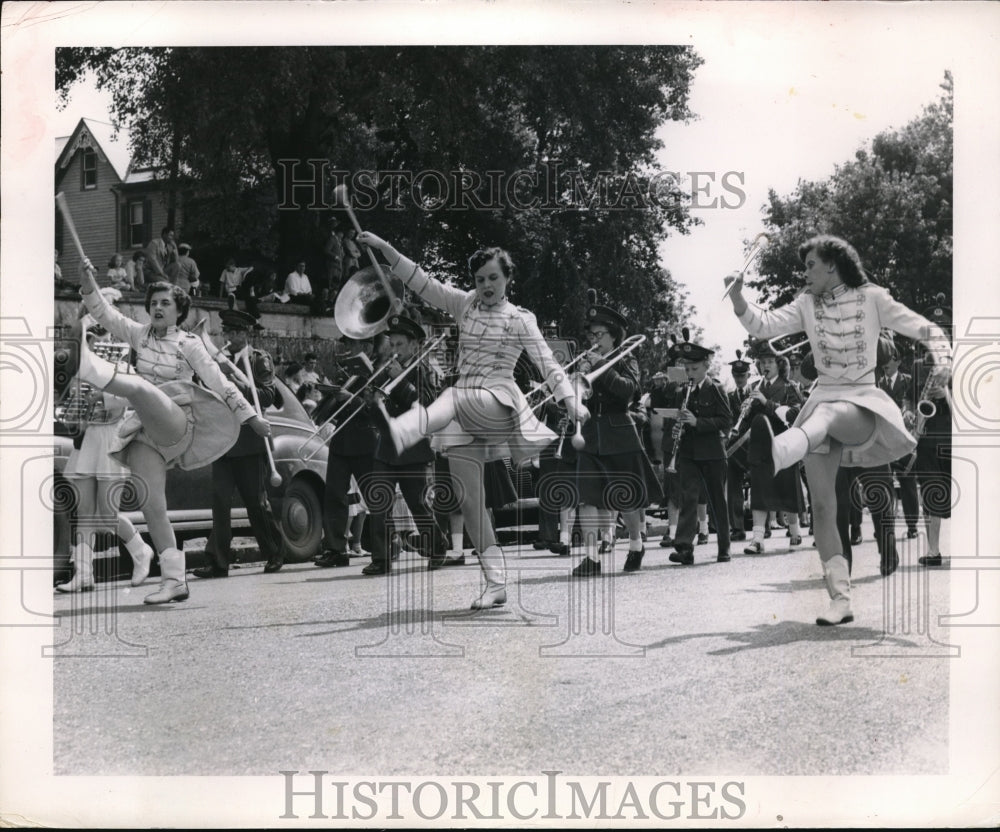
x: 617, y: 482
x: 497, y: 486
x: 783, y: 491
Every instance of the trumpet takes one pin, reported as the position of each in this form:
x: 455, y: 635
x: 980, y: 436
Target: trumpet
x: 679, y: 431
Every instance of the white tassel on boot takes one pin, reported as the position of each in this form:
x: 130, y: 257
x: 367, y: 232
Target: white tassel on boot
x: 83, y: 578
x: 142, y: 557
x: 495, y: 572
x: 173, y: 586
x: 838, y: 585
x: 93, y: 369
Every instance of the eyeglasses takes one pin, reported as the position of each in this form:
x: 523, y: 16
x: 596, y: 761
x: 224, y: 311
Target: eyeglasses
x: 598, y: 333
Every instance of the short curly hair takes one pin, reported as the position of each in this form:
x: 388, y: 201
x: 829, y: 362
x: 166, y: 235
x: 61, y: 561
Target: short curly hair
x: 484, y: 255
x: 181, y: 298
x: 841, y: 253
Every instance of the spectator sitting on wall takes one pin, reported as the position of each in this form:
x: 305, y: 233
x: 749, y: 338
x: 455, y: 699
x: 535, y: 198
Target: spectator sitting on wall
x: 258, y: 287
x: 134, y: 270
x: 118, y: 275
x: 298, y: 289
x: 231, y: 278
x: 188, y: 276
x: 161, y: 253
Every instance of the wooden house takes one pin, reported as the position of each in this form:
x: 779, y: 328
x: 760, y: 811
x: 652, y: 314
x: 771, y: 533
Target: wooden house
x: 116, y: 207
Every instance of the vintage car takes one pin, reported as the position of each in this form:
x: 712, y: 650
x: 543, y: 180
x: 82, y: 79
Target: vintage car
x: 297, y: 502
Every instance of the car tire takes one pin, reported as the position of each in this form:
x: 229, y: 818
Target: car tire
x: 301, y: 520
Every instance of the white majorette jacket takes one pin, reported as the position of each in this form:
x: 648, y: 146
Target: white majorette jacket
x: 843, y: 328
x: 490, y: 341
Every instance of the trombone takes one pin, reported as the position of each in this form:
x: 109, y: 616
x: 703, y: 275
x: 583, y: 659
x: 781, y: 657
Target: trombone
x: 370, y: 382
x: 275, y: 478
x: 584, y: 382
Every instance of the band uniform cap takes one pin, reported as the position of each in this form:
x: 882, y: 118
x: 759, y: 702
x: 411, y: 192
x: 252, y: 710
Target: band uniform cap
x: 184, y: 247
x: 762, y: 349
x: 234, y: 319
x: 401, y: 325
x: 659, y: 374
x: 740, y: 367
x: 597, y: 314
x: 693, y: 352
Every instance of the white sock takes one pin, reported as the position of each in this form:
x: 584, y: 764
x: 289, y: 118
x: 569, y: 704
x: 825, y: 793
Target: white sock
x: 758, y: 534
x: 634, y: 544
x: 457, y: 540
x: 703, y: 527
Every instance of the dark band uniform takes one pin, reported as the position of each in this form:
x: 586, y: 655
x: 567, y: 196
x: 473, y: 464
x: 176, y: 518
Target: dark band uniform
x: 352, y: 450
x: 613, y: 471
x: 737, y: 465
x: 932, y: 466
x: 701, y: 460
x: 900, y: 390
x: 244, y: 467
x: 783, y: 490
x: 409, y: 469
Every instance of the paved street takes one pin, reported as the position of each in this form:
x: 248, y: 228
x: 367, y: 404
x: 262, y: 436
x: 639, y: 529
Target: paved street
x: 680, y: 671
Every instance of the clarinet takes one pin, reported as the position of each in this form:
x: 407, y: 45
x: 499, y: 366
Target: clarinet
x: 678, y: 431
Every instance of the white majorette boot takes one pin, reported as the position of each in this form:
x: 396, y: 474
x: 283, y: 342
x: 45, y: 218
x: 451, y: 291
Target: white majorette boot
x: 142, y: 557
x: 838, y: 584
x: 784, y: 450
x: 94, y: 369
x: 495, y: 572
x: 173, y: 586
x: 405, y: 430
x: 83, y: 578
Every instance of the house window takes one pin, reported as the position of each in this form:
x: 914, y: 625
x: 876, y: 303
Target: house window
x: 136, y: 224
x: 89, y: 169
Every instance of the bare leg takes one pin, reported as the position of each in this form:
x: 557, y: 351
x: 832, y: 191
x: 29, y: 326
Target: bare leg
x: 467, y: 469
x: 162, y: 419
x: 149, y: 469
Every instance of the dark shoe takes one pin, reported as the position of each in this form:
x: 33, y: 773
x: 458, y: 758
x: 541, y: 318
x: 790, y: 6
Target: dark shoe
x: 561, y: 549
x: 767, y: 533
x: 724, y: 557
x: 330, y: 558
x: 684, y: 558
x: 738, y: 536
x: 667, y: 541
x: 376, y: 567
x: 273, y: 566
x: 606, y: 548
x: 930, y: 560
x: 888, y: 565
x: 437, y: 562
x: 702, y: 539
x: 587, y: 568
x: 911, y: 534
x: 210, y: 572
x: 795, y: 541
x: 755, y: 548
x: 541, y: 545
x: 856, y: 537
x: 633, y: 560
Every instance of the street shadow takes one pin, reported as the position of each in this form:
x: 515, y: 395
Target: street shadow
x: 105, y: 609
x: 766, y: 636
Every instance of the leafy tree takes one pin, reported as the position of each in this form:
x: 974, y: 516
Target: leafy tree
x: 892, y: 202
x: 570, y: 132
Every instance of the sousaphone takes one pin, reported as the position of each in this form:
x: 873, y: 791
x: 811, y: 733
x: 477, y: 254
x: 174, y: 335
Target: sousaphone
x: 364, y: 305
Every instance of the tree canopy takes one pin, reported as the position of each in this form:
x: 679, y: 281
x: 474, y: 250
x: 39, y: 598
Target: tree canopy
x: 892, y: 202
x: 546, y: 151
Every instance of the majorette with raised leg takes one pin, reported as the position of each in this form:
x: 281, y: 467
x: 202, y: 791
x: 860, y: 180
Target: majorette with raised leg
x: 485, y: 413
x: 847, y: 418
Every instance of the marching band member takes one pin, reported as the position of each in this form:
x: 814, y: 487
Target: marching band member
x: 485, y: 409
x: 703, y: 421
x: 409, y: 469
x: 932, y: 463
x: 899, y: 386
x: 243, y: 466
x: 613, y: 472
x: 847, y: 418
x: 737, y: 466
x: 778, y: 400
x: 174, y: 422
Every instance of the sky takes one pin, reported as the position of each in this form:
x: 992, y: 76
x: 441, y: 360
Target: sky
x: 768, y: 112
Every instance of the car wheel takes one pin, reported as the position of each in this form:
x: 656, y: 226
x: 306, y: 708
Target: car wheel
x: 301, y: 520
